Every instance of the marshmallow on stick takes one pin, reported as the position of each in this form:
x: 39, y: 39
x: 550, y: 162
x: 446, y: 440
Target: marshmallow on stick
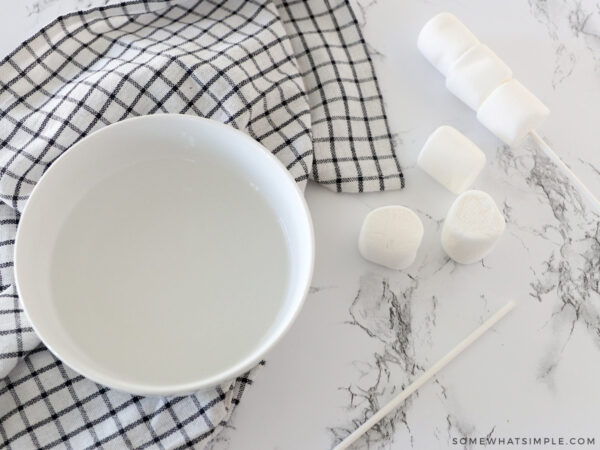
x: 476, y: 74
x: 443, y: 40
x: 478, y: 77
x: 511, y: 112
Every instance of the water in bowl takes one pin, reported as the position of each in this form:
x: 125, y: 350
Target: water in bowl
x: 169, y: 271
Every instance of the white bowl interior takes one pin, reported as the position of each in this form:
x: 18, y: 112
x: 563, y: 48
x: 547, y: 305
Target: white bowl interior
x: 198, y: 286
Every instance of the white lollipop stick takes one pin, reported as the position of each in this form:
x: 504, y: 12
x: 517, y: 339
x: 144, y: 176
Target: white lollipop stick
x: 396, y: 401
x: 583, y: 189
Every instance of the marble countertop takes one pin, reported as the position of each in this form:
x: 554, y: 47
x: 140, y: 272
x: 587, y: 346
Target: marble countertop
x: 365, y: 332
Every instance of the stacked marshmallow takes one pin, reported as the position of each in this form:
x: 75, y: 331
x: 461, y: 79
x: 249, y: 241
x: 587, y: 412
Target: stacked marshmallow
x: 478, y: 77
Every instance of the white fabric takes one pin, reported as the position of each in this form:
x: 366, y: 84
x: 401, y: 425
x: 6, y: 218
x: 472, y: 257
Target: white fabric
x: 512, y: 111
x: 472, y: 227
x: 391, y: 236
x: 451, y: 159
x: 444, y: 39
x: 476, y: 74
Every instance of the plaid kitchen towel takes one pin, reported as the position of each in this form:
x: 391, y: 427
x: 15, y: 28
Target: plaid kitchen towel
x: 293, y: 74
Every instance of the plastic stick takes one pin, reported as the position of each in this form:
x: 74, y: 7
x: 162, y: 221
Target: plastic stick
x: 426, y: 376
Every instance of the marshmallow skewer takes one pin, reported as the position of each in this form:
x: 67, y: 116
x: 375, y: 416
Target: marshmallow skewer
x: 484, y: 82
x: 478, y: 77
x: 426, y: 376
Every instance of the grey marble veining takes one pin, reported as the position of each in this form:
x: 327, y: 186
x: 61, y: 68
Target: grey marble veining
x: 383, y: 315
x: 564, y: 278
x: 569, y: 277
x: 574, y: 30
x: 569, y: 23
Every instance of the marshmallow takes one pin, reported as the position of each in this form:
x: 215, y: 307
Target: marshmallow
x: 451, y: 159
x: 472, y: 227
x: 476, y: 74
x: 443, y: 39
x: 391, y: 236
x: 511, y: 111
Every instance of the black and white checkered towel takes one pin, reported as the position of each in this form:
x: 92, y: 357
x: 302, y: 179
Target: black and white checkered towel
x: 293, y: 74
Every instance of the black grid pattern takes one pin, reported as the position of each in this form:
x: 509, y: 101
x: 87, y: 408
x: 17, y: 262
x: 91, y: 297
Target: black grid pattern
x: 295, y: 75
x: 44, y: 404
x: 352, y: 144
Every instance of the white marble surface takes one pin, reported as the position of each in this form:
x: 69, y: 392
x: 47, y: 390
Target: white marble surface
x: 366, y: 331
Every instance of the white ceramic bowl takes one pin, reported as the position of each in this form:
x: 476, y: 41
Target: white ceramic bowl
x: 164, y: 254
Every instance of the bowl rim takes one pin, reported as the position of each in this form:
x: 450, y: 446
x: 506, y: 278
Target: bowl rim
x: 249, y: 360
